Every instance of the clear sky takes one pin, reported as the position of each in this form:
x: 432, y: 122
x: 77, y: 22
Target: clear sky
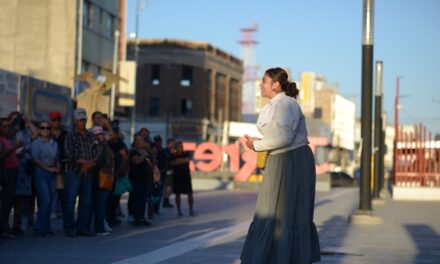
x: 323, y: 36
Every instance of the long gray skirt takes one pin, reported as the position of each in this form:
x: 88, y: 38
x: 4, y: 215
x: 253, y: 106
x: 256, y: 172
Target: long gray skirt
x: 282, y: 230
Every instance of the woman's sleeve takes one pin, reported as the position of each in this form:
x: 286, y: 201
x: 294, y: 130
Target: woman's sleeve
x: 286, y: 118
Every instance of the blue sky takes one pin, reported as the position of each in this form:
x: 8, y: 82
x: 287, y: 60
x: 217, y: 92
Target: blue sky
x: 322, y: 36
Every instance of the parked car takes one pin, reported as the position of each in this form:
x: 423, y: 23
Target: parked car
x: 342, y: 179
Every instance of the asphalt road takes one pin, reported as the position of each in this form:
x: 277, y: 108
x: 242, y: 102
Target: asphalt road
x: 215, y: 235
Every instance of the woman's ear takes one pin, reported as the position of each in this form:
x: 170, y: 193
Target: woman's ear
x: 276, y: 86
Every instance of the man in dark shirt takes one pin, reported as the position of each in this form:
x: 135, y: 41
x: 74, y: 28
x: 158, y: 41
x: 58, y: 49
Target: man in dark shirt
x: 82, y: 151
x: 59, y: 135
x: 163, y: 157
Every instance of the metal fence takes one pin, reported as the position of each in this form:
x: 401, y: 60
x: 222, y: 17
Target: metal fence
x: 417, y: 159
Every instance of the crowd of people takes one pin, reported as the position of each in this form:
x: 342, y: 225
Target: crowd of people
x: 81, y: 174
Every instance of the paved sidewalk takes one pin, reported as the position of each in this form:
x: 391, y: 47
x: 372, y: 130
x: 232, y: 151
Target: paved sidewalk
x: 409, y: 233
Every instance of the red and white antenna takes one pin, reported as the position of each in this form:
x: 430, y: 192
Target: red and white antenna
x: 250, y: 75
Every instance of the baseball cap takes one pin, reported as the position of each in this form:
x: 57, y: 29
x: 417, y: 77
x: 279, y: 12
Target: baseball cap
x: 80, y: 113
x: 97, y: 130
x: 53, y: 115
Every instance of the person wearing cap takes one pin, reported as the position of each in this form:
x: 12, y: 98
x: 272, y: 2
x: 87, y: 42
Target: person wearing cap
x: 59, y: 135
x: 104, y: 168
x: 81, y: 150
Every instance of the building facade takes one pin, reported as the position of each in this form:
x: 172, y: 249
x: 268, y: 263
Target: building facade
x: 189, y: 89
x: 46, y: 43
x: 339, y: 114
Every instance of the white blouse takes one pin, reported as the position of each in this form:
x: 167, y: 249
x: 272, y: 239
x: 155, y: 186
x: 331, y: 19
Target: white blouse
x: 282, y: 124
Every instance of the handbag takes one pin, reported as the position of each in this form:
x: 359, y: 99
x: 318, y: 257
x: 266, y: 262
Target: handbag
x: 261, y: 159
x: 156, y: 172
x: 106, y: 180
x: 122, y: 185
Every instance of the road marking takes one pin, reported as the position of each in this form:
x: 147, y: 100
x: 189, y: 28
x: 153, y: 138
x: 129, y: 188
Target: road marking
x: 185, y: 246
x: 208, y: 239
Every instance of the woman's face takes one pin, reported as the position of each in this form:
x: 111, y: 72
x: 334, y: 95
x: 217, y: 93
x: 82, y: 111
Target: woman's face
x: 44, y: 129
x: 179, y: 148
x: 4, y: 127
x: 100, y: 137
x: 139, y: 142
x: 267, y: 86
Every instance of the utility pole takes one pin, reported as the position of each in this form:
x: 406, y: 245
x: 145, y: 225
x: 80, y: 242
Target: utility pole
x: 378, y: 130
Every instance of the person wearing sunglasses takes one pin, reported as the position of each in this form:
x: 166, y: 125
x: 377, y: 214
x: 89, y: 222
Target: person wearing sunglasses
x: 45, y: 156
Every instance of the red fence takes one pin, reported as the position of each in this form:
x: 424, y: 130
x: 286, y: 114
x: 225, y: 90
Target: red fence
x: 417, y: 159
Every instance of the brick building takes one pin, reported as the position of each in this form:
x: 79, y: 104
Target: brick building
x: 186, y: 89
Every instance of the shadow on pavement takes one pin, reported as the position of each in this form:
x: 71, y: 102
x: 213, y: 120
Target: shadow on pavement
x: 427, y: 241
x: 331, y: 236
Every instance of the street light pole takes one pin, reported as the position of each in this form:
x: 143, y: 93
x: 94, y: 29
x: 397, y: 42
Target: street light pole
x: 378, y: 130
x: 366, y: 110
x: 136, y: 55
x: 114, y: 71
x: 364, y: 214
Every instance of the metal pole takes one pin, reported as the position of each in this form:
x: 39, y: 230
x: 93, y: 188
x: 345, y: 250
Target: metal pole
x: 396, y: 127
x: 79, y: 44
x: 114, y: 71
x: 382, y: 150
x: 377, y: 129
x: 136, y: 54
x: 366, y: 111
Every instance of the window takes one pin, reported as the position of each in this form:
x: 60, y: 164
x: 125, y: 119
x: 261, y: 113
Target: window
x: 154, y: 106
x: 186, y: 107
x: 108, y: 25
x: 87, y: 14
x: 101, y: 15
x: 317, y: 113
x: 186, y: 76
x: 155, y: 75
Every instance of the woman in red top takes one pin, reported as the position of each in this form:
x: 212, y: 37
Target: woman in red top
x: 9, y: 177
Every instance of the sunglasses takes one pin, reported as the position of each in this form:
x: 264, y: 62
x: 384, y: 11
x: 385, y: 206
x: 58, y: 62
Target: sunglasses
x: 56, y: 119
x: 45, y: 128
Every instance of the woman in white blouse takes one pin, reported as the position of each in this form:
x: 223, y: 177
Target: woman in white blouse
x: 282, y: 230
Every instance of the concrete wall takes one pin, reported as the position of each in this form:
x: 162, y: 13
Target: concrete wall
x: 38, y: 39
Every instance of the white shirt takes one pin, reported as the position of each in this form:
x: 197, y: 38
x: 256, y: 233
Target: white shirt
x: 282, y: 124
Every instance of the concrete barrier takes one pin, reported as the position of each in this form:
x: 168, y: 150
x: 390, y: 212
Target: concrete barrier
x: 416, y: 193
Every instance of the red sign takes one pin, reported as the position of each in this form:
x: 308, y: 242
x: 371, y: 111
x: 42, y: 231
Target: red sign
x: 208, y: 157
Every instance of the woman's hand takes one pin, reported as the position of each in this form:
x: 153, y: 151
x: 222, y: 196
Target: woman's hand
x: 250, y: 141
